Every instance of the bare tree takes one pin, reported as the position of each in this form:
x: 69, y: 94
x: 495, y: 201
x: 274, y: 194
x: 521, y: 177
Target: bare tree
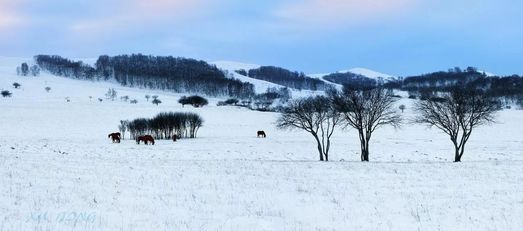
x: 111, y: 94
x: 366, y: 110
x: 156, y: 101
x: 457, y: 115
x: 17, y: 85
x: 123, y: 127
x: 47, y: 89
x: 147, y: 97
x: 316, y: 116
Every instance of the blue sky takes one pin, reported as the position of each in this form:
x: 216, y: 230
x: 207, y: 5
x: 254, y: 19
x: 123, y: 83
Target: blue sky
x: 399, y: 37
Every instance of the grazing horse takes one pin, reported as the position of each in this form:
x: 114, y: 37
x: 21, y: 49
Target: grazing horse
x: 261, y: 133
x: 146, y: 139
x: 175, y: 137
x: 115, y: 137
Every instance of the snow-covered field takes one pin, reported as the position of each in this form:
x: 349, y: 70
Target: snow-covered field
x: 59, y: 171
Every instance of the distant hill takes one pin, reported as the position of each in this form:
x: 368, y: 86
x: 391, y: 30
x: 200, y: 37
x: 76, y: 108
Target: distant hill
x: 287, y: 78
x: 175, y: 74
x: 350, y: 79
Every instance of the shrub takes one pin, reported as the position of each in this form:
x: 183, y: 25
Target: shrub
x: 156, y: 101
x: 6, y: 93
x: 231, y: 101
x: 194, y: 100
x: 165, y: 125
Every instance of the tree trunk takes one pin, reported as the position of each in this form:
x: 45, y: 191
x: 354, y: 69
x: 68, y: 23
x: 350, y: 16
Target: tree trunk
x: 364, y: 143
x: 320, y: 150
x: 457, y: 156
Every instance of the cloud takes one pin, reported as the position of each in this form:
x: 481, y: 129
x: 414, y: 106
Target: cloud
x: 335, y: 13
x: 128, y: 14
x: 9, y: 16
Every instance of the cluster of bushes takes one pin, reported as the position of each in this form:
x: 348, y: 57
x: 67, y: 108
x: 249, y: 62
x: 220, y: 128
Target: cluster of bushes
x: 164, y: 125
x: 25, y: 70
x: 229, y: 102
x: 6, y: 93
x: 194, y: 100
x: 263, y: 101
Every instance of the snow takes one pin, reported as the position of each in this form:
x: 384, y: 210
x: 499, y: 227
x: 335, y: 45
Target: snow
x: 232, y: 65
x: 359, y: 71
x: 260, y: 86
x: 369, y: 73
x: 61, y: 172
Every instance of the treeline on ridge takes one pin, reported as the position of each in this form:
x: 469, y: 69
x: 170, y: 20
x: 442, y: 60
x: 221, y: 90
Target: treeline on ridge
x: 176, y: 74
x: 284, y: 77
x: 445, y: 81
x: 351, y: 79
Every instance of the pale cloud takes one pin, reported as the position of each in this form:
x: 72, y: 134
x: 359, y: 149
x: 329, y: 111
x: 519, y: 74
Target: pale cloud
x: 129, y: 14
x: 335, y: 13
x: 9, y: 15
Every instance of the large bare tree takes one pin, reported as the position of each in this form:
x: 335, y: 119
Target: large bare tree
x: 457, y: 114
x: 366, y: 110
x: 316, y: 116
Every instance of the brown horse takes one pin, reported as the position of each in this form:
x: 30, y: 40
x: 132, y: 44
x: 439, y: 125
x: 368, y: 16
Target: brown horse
x: 175, y: 137
x: 261, y: 133
x: 146, y: 139
x: 115, y: 137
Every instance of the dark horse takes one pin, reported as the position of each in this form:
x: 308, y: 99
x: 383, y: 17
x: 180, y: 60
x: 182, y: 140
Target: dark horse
x: 261, y: 133
x: 175, y: 137
x: 146, y: 139
x: 115, y: 137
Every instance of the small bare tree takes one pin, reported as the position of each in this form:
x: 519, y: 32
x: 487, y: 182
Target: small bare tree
x: 402, y: 107
x: 17, y: 85
x: 156, y: 101
x: 457, y: 115
x: 147, y: 97
x: 123, y: 127
x: 111, y: 94
x: 316, y: 116
x: 47, y: 89
x: 366, y: 110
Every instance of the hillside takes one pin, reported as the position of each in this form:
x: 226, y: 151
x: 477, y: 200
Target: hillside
x: 61, y: 172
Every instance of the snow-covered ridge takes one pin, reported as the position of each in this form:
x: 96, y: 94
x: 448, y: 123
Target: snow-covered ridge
x: 359, y: 71
x: 369, y: 73
x: 232, y: 65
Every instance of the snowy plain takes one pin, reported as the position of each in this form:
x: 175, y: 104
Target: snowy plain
x: 59, y: 171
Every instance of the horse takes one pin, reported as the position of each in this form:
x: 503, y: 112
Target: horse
x: 115, y: 137
x: 146, y: 139
x: 261, y: 133
x: 175, y: 137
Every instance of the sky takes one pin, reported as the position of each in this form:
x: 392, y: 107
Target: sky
x: 397, y: 37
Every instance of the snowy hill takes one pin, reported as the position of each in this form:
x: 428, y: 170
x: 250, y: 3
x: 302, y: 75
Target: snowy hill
x: 230, y: 67
x: 358, y: 71
x: 260, y: 86
x: 369, y: 73
x: 61, y: 172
